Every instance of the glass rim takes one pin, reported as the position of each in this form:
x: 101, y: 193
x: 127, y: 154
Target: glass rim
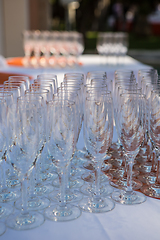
x: 133, y: 94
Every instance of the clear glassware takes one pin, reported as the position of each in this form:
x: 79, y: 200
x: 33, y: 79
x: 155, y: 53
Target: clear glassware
x: 6, y: 194
x: 52, y: 82
x: 146, y: 161
x: 79, y: 41
x: 100, y: 44
x: 131, y: 130
x: 62, y: 127
x: 72, y: 181
x: 23, y: 139
x: 35, y: 202
x: 98, y: 133
x: 28, y: 47
x: 95, y: 74
x: 42, y: 166
x: 13, y: 84
x: 49, y: 76
x: 22, y: 78
x: 43, y: 85
x: 152, y: 179
x: 123, y: 43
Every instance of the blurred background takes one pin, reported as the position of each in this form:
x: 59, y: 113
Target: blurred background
x: 140, y: 19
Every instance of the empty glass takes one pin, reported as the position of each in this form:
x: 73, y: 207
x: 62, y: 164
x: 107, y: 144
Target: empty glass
x: 62, y: 132
x: 23, y: 139
x: 98, y: 133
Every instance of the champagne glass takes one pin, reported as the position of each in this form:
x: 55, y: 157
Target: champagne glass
x: 71, y: 180
x: 35, y: 202
x: 41, y: 167
x: 62, y: 133
x: 152, y: 189
x: 22, y: 78
x: 48, y: 76
x: 7, y: 194
x: 100, y: 44
x: 28, y: 47
x: 23, y: 139
x: 131, y: 129
x: 98, y: 133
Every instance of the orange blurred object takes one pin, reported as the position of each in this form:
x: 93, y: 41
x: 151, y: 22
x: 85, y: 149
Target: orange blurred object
x: 17, y: 61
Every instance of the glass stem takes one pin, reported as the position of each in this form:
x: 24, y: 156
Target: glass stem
x: 62, y: 189
x: 32, y: 184
x: 68, y: 171
x: 24, y: 210
x: 129, y: 177
x: 158, y: 171
x: 97, y: 181
x: 4, y: 187
x: 38, y: 175
x: 153, y: 160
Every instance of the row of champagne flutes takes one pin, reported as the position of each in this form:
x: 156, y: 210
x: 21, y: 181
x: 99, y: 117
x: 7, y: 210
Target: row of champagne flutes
x: 113, y: 46
x: 23, y: 137
x: 43, y: 126
x: 52, y: 48
x: 32, y: 138
x: 146, y: 164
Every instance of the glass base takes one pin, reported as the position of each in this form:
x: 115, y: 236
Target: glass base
x: 71, y: 196
x: 13, y: 183
x: 90, y: 177
x: 80, y: 157
x: 48, y: 176
x: 5, y: 210
x: 122, y: 183
x: 120, y: 172
x: 89, y: 165
x: 34, y: 204
x: 144, y: 168
x: 149, y: 178
x: 152, y: 191
x: 40, y: 190
x: 77, y: 183
x: 89, y: 189
x: 62, y: 214
x: 106, y: 167
x: 2, y: 228
x: 128, y: 198
x: 116, y: 162
x: 9, y: 196
x: 96, y: 205
x: 21, y: 222
x: 76, y: 173
x: 81, y: 153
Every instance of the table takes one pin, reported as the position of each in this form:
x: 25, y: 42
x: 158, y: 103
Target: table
x: 124, y: 222
x: 89, y: 63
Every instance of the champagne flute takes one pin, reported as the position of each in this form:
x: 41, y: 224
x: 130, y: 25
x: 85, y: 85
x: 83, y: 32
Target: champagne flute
x: 98, y: 133
x: 35, y: 202
x: 7, y: 194
x: 62, y: 133
x: 152, y: 189
x: 23, y: 140
x: 131, y: 129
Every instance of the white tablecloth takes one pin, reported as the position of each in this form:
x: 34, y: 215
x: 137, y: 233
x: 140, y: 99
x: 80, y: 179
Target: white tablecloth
x: 89, y: 63
x: 139, y: 222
